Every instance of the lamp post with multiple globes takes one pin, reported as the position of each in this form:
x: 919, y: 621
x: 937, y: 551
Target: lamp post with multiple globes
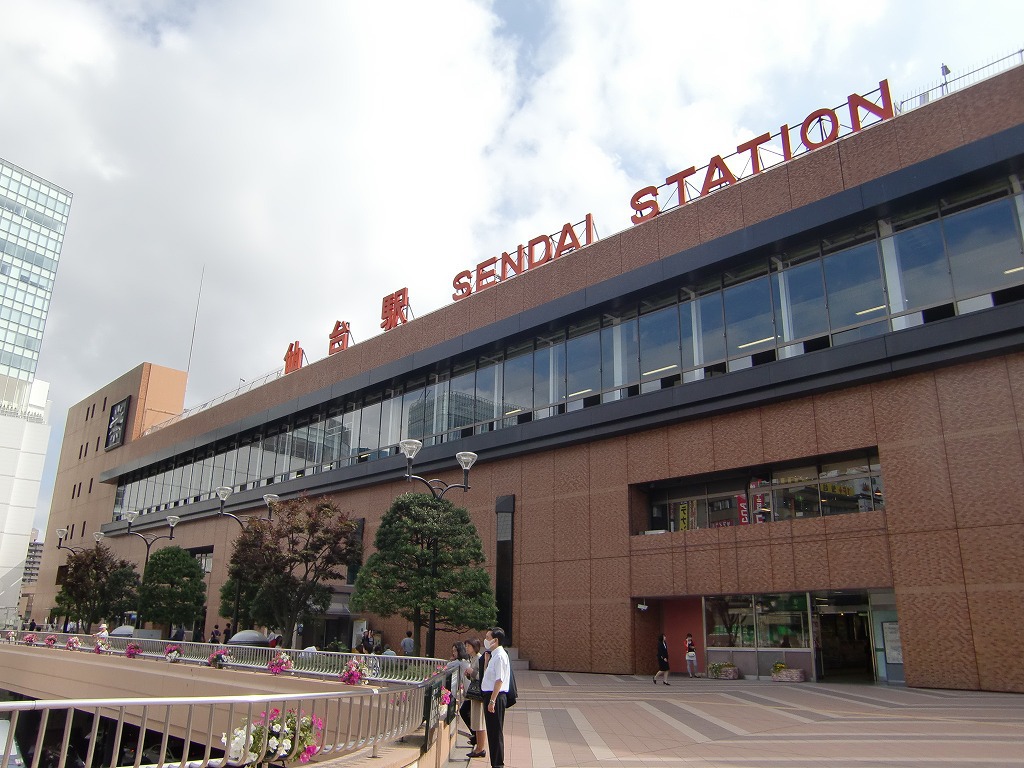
x: 438, y: 488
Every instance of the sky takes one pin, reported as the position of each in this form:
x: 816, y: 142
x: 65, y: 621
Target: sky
x: 300, y: 160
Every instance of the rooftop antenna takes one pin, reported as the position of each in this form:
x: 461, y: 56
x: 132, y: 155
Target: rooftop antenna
x: 195, y: 322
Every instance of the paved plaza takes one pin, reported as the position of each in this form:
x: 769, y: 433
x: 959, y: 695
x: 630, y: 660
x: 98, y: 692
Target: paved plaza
x: 608, y: 721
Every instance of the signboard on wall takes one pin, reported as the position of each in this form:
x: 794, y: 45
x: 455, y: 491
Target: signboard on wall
x: 892, y: 642
x: 117, y: 424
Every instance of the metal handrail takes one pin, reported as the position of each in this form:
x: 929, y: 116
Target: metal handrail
x: 305, y: 663
x: 214, y: 732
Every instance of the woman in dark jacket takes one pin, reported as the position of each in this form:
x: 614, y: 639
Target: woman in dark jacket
x: 662, y: 661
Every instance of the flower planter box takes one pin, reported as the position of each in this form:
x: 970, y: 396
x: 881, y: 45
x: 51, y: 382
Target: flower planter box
x: 789, y: 676
x: 728, y: 673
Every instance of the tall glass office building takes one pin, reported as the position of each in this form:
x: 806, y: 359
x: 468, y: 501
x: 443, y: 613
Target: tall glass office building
x: 33, y: 214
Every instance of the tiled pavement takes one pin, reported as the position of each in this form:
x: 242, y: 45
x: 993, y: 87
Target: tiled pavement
x: 566, y: 720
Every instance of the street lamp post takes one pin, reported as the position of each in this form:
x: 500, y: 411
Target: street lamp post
x: 438, y: 488
x: 62, y: 533
x: 270, y: 499
x: 131, y: 515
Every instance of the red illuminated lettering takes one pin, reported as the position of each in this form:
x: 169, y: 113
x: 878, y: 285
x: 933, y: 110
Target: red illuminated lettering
x: 787, y: 147
x: 510, y: 266
x: 679, y: 179
x: 751, y: 146
x: 339, y: 337
x: 645, y: 209
x: 293, y: 357
x: 394, y: 309
x: 462, y: 285
x: 567, y: 241
x: 816, y: 116
x: 485, y: 275
x: 725, y: 176
x: 531, y: 260
x: 882, y: 112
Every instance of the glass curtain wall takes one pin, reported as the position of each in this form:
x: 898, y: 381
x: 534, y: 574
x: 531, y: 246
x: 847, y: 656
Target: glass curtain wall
x: 923, y: 263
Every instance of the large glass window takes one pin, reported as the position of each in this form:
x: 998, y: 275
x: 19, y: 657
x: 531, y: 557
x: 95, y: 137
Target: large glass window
x: 518, y: 378
x: 390, y: 421
x: 659, y: 345
x: 730, y: 621
x: 703, y: 330
x: 799, y: 294
x: 488, y: 392
x: 548, y: 374
x: 782, y: 621
x: 369, y: 429
x: 923, y: 268
x: 796, y: 493
x: 462, y: 396
x: 414, y: 410
x: 854, y: 282
x: 984, y: 248
x: 620, y: 353
x: 583, y: 361
x: 748, y: 316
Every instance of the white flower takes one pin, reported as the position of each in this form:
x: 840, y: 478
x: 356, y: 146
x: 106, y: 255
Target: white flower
x: 276, y: 727
x: 286, y: 746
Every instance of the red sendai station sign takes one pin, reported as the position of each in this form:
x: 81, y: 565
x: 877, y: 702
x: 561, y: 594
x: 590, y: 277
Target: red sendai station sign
x: 820, y: 128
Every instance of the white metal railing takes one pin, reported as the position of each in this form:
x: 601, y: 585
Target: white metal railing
x: 319, y: 664
x: 220, y: 731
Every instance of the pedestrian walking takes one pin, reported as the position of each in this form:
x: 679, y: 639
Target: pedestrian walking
x: 663, y: 668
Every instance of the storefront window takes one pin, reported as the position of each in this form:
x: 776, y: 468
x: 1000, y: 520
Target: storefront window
x: 730, y: 621
x: 782, y: 621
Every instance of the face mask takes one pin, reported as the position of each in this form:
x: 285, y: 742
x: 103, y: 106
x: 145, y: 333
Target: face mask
x: 490, y: 644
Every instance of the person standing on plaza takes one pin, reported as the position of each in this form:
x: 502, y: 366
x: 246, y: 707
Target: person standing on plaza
x: 495, y: 687
x: 215, y: 634
x: 691, y: 656
x: 663, y: 668
x: 472, y: 710
x: 408, y: 644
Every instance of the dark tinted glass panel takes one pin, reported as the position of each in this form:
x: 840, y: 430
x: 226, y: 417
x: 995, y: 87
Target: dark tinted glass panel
x: 800, y: 301
x: 984, y: 248
x: 369, y: 429
x: 923, y: 269
x: 748, y: 313
x: 620, y: 353
x: 549, y: 373
x: 853, y: 280
x: 413, y: 408
x: 462, y: 399
x: 659, y: 343
x: 709, y: 330
x: 583, y: 365
x: 488, y: 392
x: 518, y: 384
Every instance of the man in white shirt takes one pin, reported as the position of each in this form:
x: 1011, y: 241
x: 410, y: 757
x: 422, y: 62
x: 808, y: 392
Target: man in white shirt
x: 494, y: 687
x: 408, y: 644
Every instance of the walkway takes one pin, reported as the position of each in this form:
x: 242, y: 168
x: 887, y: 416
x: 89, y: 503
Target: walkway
x: 566, y: 720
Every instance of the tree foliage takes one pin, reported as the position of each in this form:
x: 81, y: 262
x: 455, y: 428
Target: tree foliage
x: 97, y: 585
x: 173, y: 587
x: 285, y: 563
x: 429, y: 556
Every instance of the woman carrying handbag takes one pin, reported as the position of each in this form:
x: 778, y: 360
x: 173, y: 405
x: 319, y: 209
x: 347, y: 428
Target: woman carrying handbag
x: 475, y: 700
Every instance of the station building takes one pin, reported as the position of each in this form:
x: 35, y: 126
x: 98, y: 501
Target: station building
x: 784, y: 416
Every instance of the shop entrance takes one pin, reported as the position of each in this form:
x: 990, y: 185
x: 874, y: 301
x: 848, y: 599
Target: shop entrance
x: 842, y: 634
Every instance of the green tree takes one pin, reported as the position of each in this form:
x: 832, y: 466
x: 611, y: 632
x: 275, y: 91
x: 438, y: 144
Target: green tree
x: 290, y: 560
x: 97, y: 585
x: 429, y: 558
x: 248, y: 590
x: 173, y: 587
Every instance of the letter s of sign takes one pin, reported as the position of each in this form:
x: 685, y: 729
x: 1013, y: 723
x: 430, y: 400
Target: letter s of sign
x: 645, y: 209
x: 462, y: 283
